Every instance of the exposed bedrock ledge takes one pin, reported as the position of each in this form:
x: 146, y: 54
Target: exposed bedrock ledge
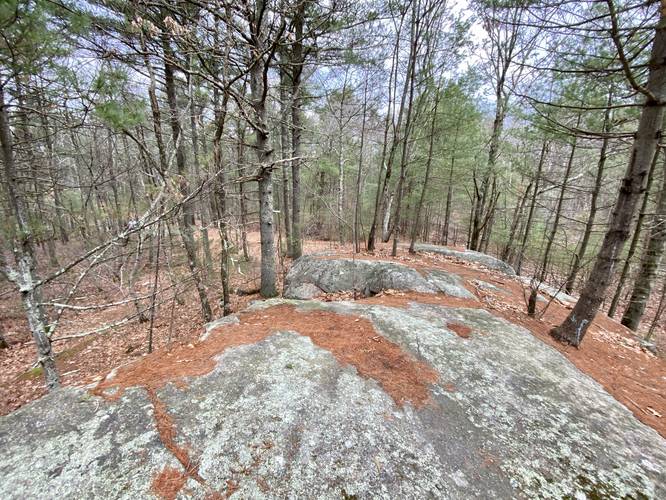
x: 468, y: 256
x: 508, y: 417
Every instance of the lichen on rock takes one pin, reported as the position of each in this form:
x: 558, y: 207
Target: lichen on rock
x: 309, y: 399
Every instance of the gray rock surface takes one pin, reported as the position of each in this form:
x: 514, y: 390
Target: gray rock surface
x: 551, y: 291
x: 510, y: 417
x: 484, y: 285
x: 72, y: 445
x: 310, y: 277
x: 232, y: 319
x: 468, y: 256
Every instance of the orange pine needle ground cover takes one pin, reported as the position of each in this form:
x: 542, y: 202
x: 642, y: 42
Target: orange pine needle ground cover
x: 352, y: 340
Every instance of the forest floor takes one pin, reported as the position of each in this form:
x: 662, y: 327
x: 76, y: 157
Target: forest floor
x: 611, y: 354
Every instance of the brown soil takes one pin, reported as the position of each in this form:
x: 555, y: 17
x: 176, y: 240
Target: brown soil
x: 352, y: 340
x: 460, y: 330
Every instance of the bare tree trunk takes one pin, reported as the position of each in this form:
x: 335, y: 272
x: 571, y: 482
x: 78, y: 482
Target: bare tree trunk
x: 204, y: 218
x: 186, y: 220
x: 530, y: 216
x: 341, y: 163
x: 658, y: 313
x: 357, y: 204
x: 386, y: 223
x: 411, y: 77
x: 580, y: 253
x: 341, y: 196
x: 506, y: 44
x: 221, y: 201
x: 382, y: 197
x: 449, y: 188
x: 635, y: 240
x: 531, y: 307
x: 490, y: 217
x: 241, y: 188
x: 426, y: 180
x: 24, y: 276
x: 649, y: 264
x: 53, y: 173
x: 298, y: 60
x: 153, y: 296
x: 517, y: 217
x: 285, y: 148
x: 258, y: 91
x: 296, y: 132
x: 573, y: 329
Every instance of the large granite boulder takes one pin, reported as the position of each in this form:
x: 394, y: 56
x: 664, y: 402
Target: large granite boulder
x: 468, y: 256
x: 311, y: 276
x: 307, y: 399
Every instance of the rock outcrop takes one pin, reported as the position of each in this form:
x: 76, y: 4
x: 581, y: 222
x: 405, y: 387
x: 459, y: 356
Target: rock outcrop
x: 553, y: 292
x: 468, y: 256
x: 308, y: 399
x: 312, y: 276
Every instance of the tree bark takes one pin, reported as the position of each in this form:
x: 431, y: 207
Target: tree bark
x: 449, y: 188
x: 658, y: 313
x: 635, y: 240
x: 186, y: 221
x: 298, y: 61
x: 25, y: 276
x: 241, y: 189
x: 649, y: 264
x: 258, y: 92
x: 341, y: 163
x: 535, y: 194
x: 381, y: 197
x: 531, y: 308
x: 204, y: 214
x: 573, y: 329
x: 411, y: 77
x: 285, y: 149
x: 580, y: 253
x: 517, y: 216
x: 221, y: 198
x: 426, y: 180
x: 357, y: 204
